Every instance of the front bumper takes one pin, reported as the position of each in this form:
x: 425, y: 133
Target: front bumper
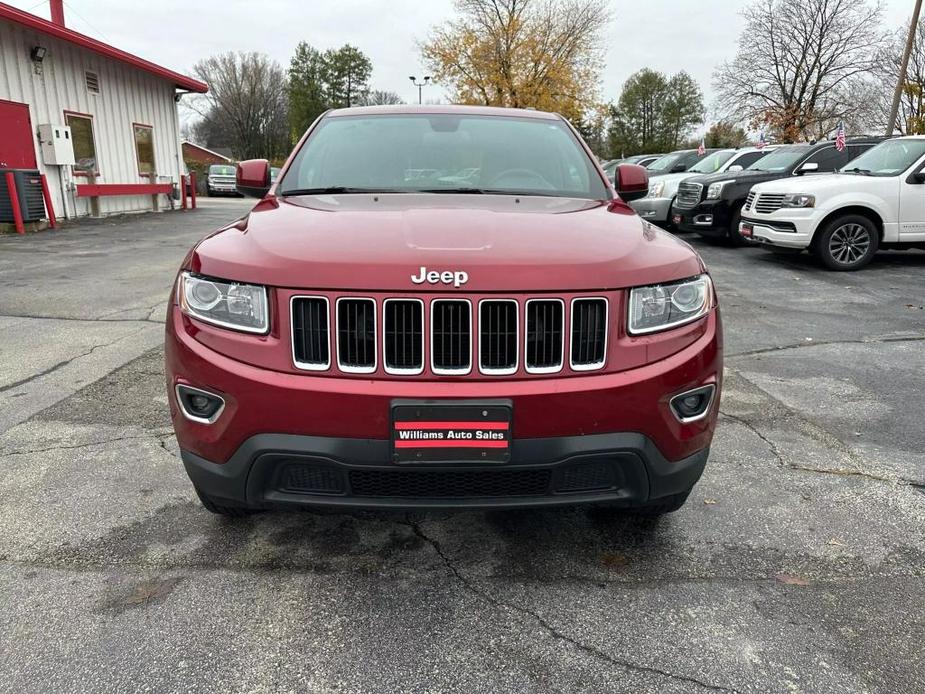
x: 284, y: 471
x: 655, y: 210
x: 708, y: 218
x: 786, y: 232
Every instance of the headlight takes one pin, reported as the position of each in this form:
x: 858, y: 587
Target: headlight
x: 716, y: 189
x: 656, y: 188
x: 228, y: 304
x: 798, y: 200
x: 663, y: 306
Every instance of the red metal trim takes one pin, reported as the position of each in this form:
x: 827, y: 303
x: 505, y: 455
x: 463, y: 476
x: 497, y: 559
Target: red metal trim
x: 14, y: 202
x: 192, y: 189
x: 88, y: 116
x: 49, y: 208
x: 182, y: 192
x: 57, y: 12
x: 94, y: 190
x: 34, y: 23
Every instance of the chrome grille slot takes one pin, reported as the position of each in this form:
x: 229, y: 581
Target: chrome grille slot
x: 589, y: 334
x: 403, y: 336
x: 451, y: 336
x: 356, y: 335
x: 688, y: 194
x: 310, y: 340
x: 498, y: 336
x: 769, y: 202
x: 749, y: 201
x: 544, y: 336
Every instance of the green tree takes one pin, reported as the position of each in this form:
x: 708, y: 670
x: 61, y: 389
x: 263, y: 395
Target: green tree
x: 655, y: 113
x: 307, y: 88
x: 347, y: 73
x: 724, y: 135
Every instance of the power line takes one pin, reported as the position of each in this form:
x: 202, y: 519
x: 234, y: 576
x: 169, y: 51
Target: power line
x: 85, y: 21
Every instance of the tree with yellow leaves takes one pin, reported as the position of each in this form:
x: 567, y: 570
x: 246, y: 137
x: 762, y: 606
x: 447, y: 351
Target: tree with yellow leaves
x: 544, y: 54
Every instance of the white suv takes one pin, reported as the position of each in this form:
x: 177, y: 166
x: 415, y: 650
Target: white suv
x: 656, y: 206
x: 876, y: 201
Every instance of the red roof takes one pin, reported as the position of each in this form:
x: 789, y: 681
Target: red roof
x: 30, y: 21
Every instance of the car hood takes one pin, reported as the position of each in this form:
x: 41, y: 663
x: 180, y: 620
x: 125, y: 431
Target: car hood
x: 811, y: 183
x: 503, y: 243
x: 737, y: 176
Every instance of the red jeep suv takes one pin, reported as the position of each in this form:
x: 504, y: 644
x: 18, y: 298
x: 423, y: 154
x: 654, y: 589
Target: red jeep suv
x: 442, y: 306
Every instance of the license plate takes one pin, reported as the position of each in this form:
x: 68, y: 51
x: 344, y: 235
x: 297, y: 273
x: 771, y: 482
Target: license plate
x: 427, y: 432
x: 747, y: 230
x: 676, y: 219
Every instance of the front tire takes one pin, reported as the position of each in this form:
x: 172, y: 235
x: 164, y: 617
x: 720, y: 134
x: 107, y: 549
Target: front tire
x: 735, y: 238
x: 847, y: 243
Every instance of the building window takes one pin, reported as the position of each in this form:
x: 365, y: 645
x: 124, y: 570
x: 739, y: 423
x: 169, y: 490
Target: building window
x: 84, y: 145
x: 93, y: 82
x: 144, y: 148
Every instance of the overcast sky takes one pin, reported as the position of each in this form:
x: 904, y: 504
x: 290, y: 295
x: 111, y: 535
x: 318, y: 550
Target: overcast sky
x: 668, y: 35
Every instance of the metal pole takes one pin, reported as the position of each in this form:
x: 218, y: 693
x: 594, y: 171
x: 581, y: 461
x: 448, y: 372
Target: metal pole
x: 897, y: 94
x: 49, y: 209
x: 14, y: 202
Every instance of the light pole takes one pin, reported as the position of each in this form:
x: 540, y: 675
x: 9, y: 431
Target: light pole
x: 420, y: 86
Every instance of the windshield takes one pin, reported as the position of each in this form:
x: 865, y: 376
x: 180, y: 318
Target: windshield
x: 712, y: 163
x: 889, y: 158
x: 433, y: 153
x: 780, y: 159
x: 221, y: 170
x: 666, y: 162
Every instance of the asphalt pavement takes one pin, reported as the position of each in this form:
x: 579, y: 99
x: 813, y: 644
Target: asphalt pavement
x: 796, y: 566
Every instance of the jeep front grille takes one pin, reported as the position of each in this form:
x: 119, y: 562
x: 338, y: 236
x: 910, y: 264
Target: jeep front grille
x: 589, y: 334
x: 356, y: 335
x: 545, y: 335
x: 451, y: 336
x: 688, y: 194
x: 410, y: 336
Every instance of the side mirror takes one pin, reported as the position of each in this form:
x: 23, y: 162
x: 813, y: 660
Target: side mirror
x: 678, y: 168
x: 631, y: 182
x: 734, y: 168
x: 808, y: 167
x: 253, y: 178
x: 919, y: 177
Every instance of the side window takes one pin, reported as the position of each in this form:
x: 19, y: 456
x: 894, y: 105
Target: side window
x: 84, y: 144
x: 829, y: 158
x: 748, y: 159
x: 144, y: 148
x: 854, y: 151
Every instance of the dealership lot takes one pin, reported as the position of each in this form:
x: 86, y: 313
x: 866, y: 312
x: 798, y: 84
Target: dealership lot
x: 797, y: 564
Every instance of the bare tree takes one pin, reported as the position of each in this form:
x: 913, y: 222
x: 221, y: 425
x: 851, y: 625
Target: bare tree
x: 247, y: 100
x: 911, y: 116
x: 800, y: 64
x: 379, y: 97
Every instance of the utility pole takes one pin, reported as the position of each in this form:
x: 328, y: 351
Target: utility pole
x: 421, y: 85
x: 910, y: 41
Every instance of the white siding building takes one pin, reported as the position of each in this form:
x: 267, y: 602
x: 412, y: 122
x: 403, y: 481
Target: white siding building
x: 121, y: 112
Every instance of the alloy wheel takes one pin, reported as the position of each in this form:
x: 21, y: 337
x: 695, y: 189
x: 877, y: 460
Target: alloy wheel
x: 849, y: 243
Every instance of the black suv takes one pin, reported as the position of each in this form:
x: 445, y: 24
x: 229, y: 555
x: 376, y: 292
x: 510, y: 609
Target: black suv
x: 677, y: 161
x: 711, y: 205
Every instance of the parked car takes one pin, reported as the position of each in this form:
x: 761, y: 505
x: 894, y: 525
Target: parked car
x: 221, y: 180
x: 712, y: 205
x: 369, y: 336
x: 876, y: 201
x: 676, y: 162
x: 656, y: 206
x: 639, y: 159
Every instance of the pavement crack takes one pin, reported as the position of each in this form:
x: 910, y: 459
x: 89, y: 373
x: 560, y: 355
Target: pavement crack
x: 82, y: 320
x: 62, y: 364
x: 822, y: 343
x: 551, y: 629
x: 88, y: 444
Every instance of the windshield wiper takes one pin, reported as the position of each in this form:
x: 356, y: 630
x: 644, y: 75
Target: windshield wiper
x: 863, y: 172
x: 460, y: 191
x: 336, y: 190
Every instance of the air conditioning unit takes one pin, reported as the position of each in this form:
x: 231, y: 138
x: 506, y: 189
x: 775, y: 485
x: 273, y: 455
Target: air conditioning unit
x: 29, y: 192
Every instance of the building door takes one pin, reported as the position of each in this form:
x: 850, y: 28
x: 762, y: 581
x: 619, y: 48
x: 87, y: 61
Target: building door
x: 17, y: 142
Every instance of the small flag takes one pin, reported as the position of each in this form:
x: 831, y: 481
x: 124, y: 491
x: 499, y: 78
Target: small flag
x: 761, y: 141
x: 702, y: 149
x: 840, y: 137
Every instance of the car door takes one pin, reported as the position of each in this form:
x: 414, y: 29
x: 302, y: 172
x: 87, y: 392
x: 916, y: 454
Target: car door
x: 912, y: 204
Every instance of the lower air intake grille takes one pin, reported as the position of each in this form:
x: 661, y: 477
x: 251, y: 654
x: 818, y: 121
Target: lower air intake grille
x: 310, y: 343
x: 451, y: 336
x: 544, y: 335
x: 404, y: 335
x: 498, y: 336
x: 448, y: 484
x: 306, y: 478
x: 589, y: 330
x: 585, y: 477
x: 356, y: 335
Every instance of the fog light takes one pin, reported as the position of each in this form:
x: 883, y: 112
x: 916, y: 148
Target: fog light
x: 199, y: 405
x: 694, y: 404
x: 704, y: 219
